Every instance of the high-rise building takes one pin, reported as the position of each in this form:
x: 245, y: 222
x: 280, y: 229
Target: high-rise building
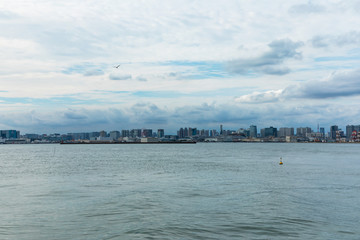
x: 339, y: 135
x: 79, y: 136
x: 285, y: 131
x: 160, y: 133
x: 125, y: 133
x: 186, y: 132
x: 134, y: 133
x: 181, y: 133
x: 206, y: 133
x: 146, y: 133
x: 269, y: 132
x: 253, y: 131
x: 333, y: 130
x: 302, y: 131
x: 213, y: 133
x: 94, y: 135
x: 9, y: 134
x: 192, y: 132
x: 114, y: 135
x: 350, y: 129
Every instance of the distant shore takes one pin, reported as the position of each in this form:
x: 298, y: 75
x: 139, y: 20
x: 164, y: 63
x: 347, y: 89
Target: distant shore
x: 107, y: 142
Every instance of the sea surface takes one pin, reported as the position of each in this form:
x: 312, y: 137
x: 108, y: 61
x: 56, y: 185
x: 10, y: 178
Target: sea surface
x: 175, y: 191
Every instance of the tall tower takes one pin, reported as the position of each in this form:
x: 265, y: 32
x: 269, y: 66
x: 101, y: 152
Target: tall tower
x: 160, y: 133
x: 333, y: 130
x: 253, y: 131
x: 221, y: 129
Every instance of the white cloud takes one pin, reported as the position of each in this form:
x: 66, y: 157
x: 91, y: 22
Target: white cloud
x: 258, y: 97
x: 340, y: 40
x: 339, y: 84
x: 307, y: 8
x: 269, y: 62
x: 119, y: 76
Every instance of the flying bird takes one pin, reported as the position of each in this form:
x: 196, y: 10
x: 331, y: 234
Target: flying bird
x: 117, y: 66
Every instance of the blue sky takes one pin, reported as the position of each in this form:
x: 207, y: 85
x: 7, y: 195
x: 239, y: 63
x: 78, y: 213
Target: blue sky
x: 182, y: 64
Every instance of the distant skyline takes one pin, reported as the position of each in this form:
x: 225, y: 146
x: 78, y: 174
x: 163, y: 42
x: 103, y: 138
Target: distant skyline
x: 182, y: 64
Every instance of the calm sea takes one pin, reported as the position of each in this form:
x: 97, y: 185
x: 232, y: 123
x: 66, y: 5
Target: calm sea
x: 194, y: 191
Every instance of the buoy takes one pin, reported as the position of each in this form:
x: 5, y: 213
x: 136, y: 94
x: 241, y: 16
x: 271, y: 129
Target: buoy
x: 281, y: 163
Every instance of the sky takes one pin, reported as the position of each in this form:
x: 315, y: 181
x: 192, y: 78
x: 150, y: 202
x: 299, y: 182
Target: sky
x: 182, y: 64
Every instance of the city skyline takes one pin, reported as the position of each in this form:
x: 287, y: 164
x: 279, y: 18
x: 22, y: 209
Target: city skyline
x: 253, y: 130
x: 73, y: 66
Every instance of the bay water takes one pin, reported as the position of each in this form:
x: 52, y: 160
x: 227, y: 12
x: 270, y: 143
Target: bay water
x: 180, y: 191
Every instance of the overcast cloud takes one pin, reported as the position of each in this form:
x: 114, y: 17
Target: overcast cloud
x: 182, y: 63
x: 269, y: 62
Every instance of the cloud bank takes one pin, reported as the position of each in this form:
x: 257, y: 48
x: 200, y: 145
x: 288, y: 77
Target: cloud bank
x: 269, y: 62
x: 339, y: 84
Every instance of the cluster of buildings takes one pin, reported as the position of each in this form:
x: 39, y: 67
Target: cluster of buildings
x: 251, y: 134
x: 272, y: 134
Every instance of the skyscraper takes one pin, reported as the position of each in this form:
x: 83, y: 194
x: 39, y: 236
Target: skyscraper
x: 125, y: 133
x: 181, y: 133
x: 269, y: 132
x: 146, y: 133
x: 350, y: 129
x: 160, y: 133
x: 333, y: 130
x: 283, y: 132
x: 253, y: 131
x: 9, y: 134
x: 302, y: 131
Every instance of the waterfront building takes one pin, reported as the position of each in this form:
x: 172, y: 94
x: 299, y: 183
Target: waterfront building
x: 354, y: 136
x: 125, y: 133
x: 193, y: 132
x: 350, y: 129
x: 114, y: 135
x: 242, y: 132
x: 94, y: 135
x: 181, y: 133
x: 253, y: 131
x: 333, y: 130
x: 149, y: 139
x: 135, y: 133
x: 160, y: 133
x: 103, y: 134
x: 9, y: 134
x: 107, y: 139
x: 204, y: 133
x: 302, y: 131
x: 285, y: 131
x: 79, y: 136
x: 186, y: 132
x: 315, y: 136
x: 146, y: 133
x: 340, y: 136
x: 213, y: 133
x: 32, y: 136
x: 269, y: 132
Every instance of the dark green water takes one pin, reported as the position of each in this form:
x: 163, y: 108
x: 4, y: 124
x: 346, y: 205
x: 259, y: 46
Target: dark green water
x: 196, y: 191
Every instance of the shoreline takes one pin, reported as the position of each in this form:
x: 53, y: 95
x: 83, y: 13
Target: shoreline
x: 104, y: 142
